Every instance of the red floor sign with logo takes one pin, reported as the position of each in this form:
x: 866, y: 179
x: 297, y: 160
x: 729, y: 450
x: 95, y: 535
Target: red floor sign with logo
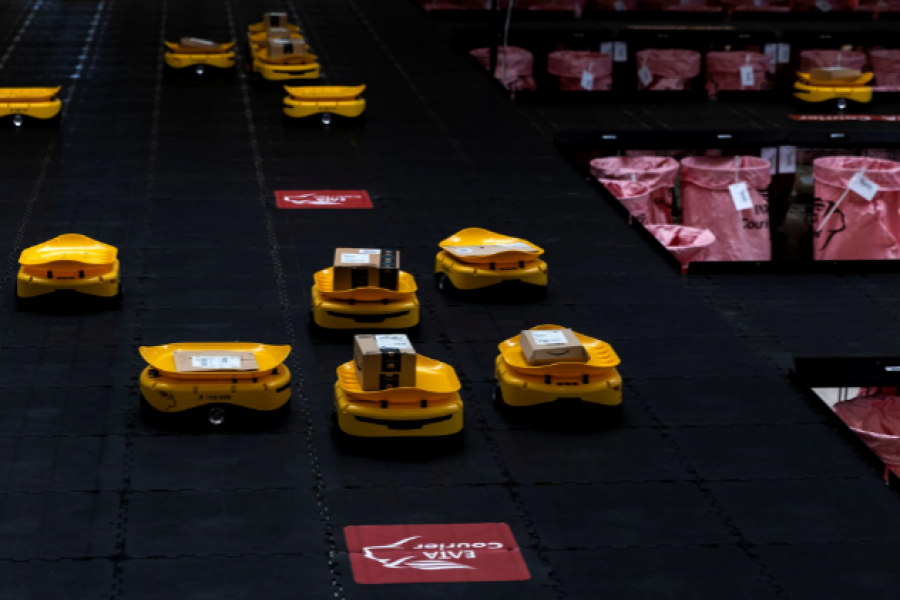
x: 434, y: 553
x: 323, y: 199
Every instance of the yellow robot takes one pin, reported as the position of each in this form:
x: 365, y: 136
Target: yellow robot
x: 219, y: 56
x: 37, y: 103
x: 66, y: 264
x: 327, y: 102
x: 834, y: 93
x: 476, y: 259
x: 431, y: 409
x: 214, y: 382
x: 258, y: 37
x: 363, y: 308
x: 594, y: 382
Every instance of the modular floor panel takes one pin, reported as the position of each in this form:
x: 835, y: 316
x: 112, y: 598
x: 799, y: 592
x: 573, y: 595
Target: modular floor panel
x: 720, y: 481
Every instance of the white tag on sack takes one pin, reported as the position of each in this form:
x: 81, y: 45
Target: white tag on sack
x: 863, y: 186
x: 216, y: 362
x: 747, y: 79
x: 587, y: 80
x: 741, y: 196
x: 787, y: 159
x: 606, y: 47
x: 771, y: 50
x: 823, y: 5
x: 645, y: 76
x: 620, y: 52
x: 620, y: 6
x: 784, y: 53
x: 771, y: 155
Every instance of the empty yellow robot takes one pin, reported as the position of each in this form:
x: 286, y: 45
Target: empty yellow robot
x: 594, y: 380
x: 433, y: 408
x: 199, y: 54
x: 364, y: 308
x: 40, y: 104
x: 70, y: 263
x: 326, y: 102
x: 215, y: 382
x: 476, y: 259
x: 834, y: 93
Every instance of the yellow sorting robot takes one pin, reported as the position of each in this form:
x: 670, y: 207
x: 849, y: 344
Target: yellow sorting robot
x: 40, y: 104
x: 839, y: 93
x: 258, y: 36
x: 476, y: 259
x: 200, y: 55
x: 363, y: 308
x: 326, y: 102
x: 70, y: 263
x: 433, y: 408
x: 215, y: 382
x: 594, y: 381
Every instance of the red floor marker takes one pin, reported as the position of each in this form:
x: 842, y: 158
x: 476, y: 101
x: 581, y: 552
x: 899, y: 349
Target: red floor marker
x: 323, y: 199
x: 435, y: 553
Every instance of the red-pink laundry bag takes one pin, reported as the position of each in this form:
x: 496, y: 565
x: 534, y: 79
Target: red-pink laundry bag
x: 824, y: 6
x: 845, y: 225
x: 570, y: 66
x: 707, y: 203
x: 876, y: 420
x: 886, y: 66
x: 878, y: 6
x: 687, y: 244
x: 658, y: 172
x: 823, y: 59
x: 634, y: 195
x: 725, y: 71
x: 614, y: 5
x: 667, y: 69
x: 515, y: 66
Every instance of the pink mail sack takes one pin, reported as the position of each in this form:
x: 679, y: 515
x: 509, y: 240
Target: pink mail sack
x: 687, y: 244
x: 822, y: 59
x: 670, y: 69
x: 658, y: 172
x: 634, y: 195
x: 876, y: 420
x: 886, y: 66
x: 723, y: 71
x: 518, y: 73
x: 570, y: 65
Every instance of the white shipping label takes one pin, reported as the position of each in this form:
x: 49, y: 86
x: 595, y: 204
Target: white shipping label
x: 620, y: 52
x: 369, y: 251
x: 216, y: 362
x: 547, y: 338
x: 771, y: 51
x: 747, y: 78
x: 771, y: 155
x: 355, y: 259
x: 787, y: 159
x: 741, y: 196
x: 784, y: 53
x: 587, y: 80
x: 606, y: 48
x: 645, y: 76
x: 395, y: 341
x: 519, y: 246
x: 863, y: 186
x: 823, y: 5
x: 620, y: 6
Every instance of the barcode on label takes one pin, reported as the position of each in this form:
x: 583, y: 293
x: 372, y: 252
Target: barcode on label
x: 361, y: 259
x: 394, y: 341
x: 546, y: 338
x: 741, y: 196
x: 863, y: 186
x: 216, y: 362
x: 369, y: 251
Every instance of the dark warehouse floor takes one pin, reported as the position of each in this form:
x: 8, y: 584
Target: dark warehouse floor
x: 722, y: 481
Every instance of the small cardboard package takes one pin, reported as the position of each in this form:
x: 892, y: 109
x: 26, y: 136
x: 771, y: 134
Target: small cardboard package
x: 279, y: 33
x: 284, y: 47
x: 275, y: 19
x: 548, y: 346
x: 366, y: 267
x: 192, y: 42
x: 196, y: 361
x: 834, y: 74
x: 384, y: 361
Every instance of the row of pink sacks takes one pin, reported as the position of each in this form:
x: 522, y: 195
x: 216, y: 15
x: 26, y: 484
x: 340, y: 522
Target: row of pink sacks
x: 645, y: 185
x: 673, y: 69
x: 579, y: 6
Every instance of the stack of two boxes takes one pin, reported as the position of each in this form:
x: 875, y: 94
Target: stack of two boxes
x: 283, y: 43
x: 384, y: 361
x: 366, y: 267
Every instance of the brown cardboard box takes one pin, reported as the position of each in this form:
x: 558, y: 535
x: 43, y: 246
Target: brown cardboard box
x: 191, y: 42
x: 195, y: 361
x: 548, y: 346
x: 384, y: 361
x: 834, y: 74
x: 366, y: 267
x: 275, y: 19
x: 282, y: 47
x: 276, y: 33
